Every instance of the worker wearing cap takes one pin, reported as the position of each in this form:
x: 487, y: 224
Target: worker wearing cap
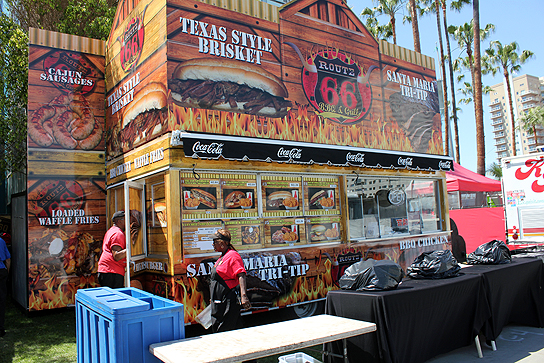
x: 111, y: 266
x: 228, y: 289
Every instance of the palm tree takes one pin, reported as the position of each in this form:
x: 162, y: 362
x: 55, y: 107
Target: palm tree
x: 415, y: 26
x: 455, y: 5
x: 510, y: 61
x: 495, y: 171
x: 378, y: 31
x: 532, y: 119
x: 466, y: 91
x: 444, y: 83
x: 434, y: 6
x: 477, y: 91
x: 385, y: 7
x: 464, y: 35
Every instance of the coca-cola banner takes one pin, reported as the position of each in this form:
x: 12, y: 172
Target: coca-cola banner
x: 206, y: 146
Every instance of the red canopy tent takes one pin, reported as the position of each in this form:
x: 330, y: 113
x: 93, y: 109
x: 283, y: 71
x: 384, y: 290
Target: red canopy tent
x: 475, y: 225
x: 462, y: 179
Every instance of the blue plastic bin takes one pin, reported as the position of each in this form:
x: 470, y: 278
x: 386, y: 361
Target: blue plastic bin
x: 118, y: 325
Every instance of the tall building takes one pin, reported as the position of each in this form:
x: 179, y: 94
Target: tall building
x: 527, y: 92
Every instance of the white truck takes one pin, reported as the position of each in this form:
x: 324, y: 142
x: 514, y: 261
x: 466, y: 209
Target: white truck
x: 523, y: 195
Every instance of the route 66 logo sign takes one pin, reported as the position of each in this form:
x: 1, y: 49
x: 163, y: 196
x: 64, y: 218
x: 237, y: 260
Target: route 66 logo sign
x: 396, y: 196
x: 132, y: 42
x: 336, y: 86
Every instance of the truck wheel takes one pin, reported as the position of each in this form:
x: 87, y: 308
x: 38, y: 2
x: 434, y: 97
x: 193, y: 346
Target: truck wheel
x: 305, y: 310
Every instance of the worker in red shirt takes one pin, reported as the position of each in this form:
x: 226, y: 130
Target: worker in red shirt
x: 228, y: 289
x: 111, y: 266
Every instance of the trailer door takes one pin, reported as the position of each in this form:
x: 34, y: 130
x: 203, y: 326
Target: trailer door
x: 134, y: 203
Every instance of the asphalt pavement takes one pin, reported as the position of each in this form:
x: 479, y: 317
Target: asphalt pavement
x: 515, y: 344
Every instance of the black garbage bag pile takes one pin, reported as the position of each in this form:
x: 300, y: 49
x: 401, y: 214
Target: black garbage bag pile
x: 372, y: 275
x: 491, y: 253
x: 434, y: 265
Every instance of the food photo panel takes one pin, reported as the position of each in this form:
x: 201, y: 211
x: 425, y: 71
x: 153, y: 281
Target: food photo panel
x: 245, y: 233
x: 284, y: 231
x: 323, y: 229
x: 281, y: 196
x: 321, y: 196
x: 195, y: 236
x: 200, y: 196
x: 238, y: 193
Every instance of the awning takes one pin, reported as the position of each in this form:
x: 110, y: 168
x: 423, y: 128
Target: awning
x: 466, y: 180
x: 236, y: 148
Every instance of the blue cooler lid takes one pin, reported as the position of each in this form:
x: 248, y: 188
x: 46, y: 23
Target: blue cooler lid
x: 110, y: 301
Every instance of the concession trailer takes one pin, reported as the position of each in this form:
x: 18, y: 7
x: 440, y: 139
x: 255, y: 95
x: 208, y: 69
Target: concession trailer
x: 313, y: 143
x: 523, y: 193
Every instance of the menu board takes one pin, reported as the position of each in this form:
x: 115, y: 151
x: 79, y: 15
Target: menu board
x: 239, y: 192
x: 284, y: 231
x: 281, y: 196
x: 322, y: 229
x: 245, y: 233
x: 321, y: 196
x: 201, y: 196
x: 195, y: 236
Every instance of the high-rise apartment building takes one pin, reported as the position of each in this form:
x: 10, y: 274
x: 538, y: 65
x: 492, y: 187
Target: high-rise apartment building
x: 527, y: 92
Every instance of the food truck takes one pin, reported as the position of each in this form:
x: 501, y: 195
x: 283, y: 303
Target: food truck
x: 292, y: 127
x: 523, y: 195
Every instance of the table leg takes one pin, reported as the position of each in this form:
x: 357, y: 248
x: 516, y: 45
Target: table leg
x: 493, y: 345
x: 345, y: 345
x: 478, y: 347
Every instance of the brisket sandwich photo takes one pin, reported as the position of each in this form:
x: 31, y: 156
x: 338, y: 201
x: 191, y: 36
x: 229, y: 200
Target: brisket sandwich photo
x: 228, y: 85
x: 145, y: 117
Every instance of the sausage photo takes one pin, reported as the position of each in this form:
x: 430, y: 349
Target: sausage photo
x: 233, y: 199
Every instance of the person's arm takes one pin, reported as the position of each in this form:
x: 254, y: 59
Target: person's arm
x: 243, y: 290
x: 118, y: 253
x: 7, y: 263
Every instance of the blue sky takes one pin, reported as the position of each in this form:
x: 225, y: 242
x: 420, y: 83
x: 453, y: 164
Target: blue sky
x: 520, y: 21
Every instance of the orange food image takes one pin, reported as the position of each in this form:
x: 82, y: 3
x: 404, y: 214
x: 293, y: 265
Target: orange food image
x: 191, y: 202
x: 290, y: 236
x: 290, y: 202
x: 326, y: 202
x: 331, y: 233
x: 245, y: 202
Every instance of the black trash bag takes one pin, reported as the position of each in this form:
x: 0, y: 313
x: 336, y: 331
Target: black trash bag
x: 458, y: 245
x: 491, y: 253
x: 434, y: 265
x: 372, y: 275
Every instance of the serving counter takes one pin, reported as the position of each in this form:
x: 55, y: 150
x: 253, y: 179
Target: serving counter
x: 424, y: 318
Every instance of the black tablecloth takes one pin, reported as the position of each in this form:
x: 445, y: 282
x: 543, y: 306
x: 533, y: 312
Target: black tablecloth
x: 415, y: 322
x: 514, y: 292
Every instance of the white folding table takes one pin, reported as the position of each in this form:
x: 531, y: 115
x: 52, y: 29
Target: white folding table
x: 261, y: 341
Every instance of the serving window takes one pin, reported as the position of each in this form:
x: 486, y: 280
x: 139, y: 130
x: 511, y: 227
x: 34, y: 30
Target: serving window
x: 260, y: 210
x: 385, y: 207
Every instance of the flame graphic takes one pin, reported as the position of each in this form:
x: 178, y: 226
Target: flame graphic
x: 334, y: 53
x: 186, y: 292
x: 310, y: 288
x: 58, y: 295
x: 298, y: 125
